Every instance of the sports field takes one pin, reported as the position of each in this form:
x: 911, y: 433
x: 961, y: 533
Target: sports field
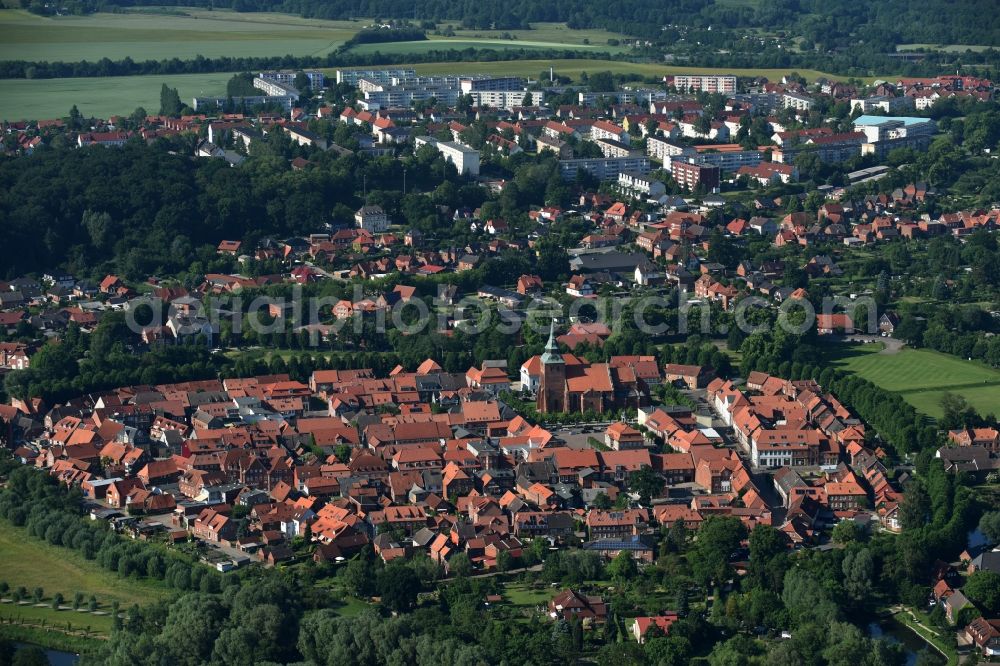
x: 34, y: 563
x: 922, y: 376
x: 144, y: 36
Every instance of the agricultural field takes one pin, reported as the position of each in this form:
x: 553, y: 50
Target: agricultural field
x: 574, y: 67
x: 922, y: 376
x: 448, y: 43
x: 34, y: 563
x: 100, y: 97
x: 541, y: 36
x: 150, y: 36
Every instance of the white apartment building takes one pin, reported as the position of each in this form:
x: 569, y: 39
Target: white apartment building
x: 724, y: 83
x: 352, y: 76
x: 662, y: 150
x: 505, y: 99
x: 603, y: 168
x: 275, y: 89
x: 469, y: 84
x: 287, y: 77
x: 796, y: 101
x: 465, y: 159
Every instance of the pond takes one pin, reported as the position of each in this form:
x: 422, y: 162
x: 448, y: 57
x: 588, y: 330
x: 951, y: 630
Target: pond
x: 895, y: 632
x: 56, y: 657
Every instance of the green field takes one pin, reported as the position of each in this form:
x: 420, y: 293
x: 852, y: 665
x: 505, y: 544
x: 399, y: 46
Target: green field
x: 189, y: 32
x: 33, y: 563
x: 574, y: 67
x: 471, y: 43
x: 76, y: 620
x: 153, y: 37
x: 922, y: 376
x: 100, y: 97
x: 556, y: 33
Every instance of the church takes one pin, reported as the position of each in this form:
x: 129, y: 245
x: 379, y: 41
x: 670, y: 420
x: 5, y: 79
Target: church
x: 567, y: 383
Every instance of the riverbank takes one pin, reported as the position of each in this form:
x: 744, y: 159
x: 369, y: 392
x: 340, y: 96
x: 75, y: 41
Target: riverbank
x: 50, y: 639
x: 918, y: 624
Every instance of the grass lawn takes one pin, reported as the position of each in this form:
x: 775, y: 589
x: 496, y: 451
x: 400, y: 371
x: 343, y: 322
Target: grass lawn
x: 33, y: 563
x: 77, y: 620
x: 520, y: 594
x: 922, y: 376
x: 101, y: 96
x: 146, y: 36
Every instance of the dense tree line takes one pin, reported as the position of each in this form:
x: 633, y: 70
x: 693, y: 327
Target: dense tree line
x: 385, y: 35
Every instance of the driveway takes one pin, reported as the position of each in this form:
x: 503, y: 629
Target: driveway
x: 891, y: 345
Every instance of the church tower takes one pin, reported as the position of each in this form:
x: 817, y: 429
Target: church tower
x: 552, y: 389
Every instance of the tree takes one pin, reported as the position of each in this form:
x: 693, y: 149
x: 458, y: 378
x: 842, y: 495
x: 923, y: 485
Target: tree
x: 602, y: 502
x: 192, y: 624
x: 75, y: 118
x: 460, y: 565
x: 601, y: 82
x: 138, y: 117
x: 766, y: 544
x: 983, y: 587
x: 677, y: 535
x: 858, y: 568
x: 301, y: 82
x: 846, y: 531
x: 170, y: 101
x: 718, y: 539
x: 737, y: 651
x: 989, y: 525
x: 623, y: 568
x: 398, y: 586
x: 646, y: 483
x: 915, y: 507
x: 359, y: 577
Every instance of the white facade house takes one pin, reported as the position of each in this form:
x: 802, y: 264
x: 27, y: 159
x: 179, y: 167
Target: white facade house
x: 372, y: 219
x: 465, y: 159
